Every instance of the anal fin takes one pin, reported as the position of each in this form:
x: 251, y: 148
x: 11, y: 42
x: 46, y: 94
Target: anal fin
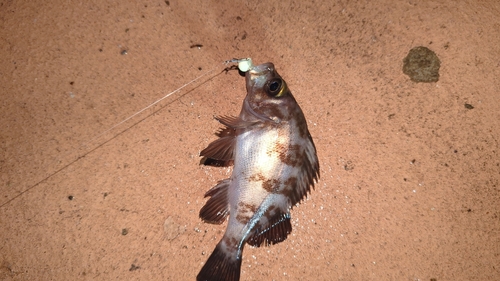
x: 217, y: 207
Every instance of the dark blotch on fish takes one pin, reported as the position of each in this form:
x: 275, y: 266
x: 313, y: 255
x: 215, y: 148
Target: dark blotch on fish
x: 270, y: 185
x: 275, y: 166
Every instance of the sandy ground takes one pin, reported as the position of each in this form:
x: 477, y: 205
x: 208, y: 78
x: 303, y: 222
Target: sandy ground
x: 410, y: 172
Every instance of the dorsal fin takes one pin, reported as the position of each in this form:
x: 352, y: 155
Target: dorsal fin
x: 277, y: 231
x: 306, y: 173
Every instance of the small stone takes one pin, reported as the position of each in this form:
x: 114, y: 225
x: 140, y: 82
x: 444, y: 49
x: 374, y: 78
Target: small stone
x: 469, y: 106
x: 422, y: 65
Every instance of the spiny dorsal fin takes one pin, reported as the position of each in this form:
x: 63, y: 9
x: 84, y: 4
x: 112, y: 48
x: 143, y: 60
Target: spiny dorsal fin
x: 307, y: 174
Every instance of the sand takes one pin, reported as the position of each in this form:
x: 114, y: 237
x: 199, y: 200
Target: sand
x: 410, y: 172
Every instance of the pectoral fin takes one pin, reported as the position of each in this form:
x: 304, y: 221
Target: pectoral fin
x: 236, y: 122
x: 221, y: 151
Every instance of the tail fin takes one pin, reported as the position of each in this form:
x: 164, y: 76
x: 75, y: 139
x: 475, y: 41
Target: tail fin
x: 220, y: 267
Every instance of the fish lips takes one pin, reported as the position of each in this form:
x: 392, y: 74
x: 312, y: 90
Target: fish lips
x: 258, y: 76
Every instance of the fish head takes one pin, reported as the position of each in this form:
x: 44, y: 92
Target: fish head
x: 268, y: 96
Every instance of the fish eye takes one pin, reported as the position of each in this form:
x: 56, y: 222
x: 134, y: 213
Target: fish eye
x: 274, y: 87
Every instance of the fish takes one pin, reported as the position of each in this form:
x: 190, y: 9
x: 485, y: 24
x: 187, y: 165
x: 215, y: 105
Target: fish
x: 275, y: 165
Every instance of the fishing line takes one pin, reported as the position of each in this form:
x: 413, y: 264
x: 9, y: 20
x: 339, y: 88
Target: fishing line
x: 149, y: 106
x: 86, y: 144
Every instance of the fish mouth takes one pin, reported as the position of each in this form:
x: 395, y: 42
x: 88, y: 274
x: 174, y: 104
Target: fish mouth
x: 258, y: 75
x: 261, y: 69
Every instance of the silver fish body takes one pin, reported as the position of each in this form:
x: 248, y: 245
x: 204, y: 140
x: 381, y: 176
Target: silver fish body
x: 275, y: 166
